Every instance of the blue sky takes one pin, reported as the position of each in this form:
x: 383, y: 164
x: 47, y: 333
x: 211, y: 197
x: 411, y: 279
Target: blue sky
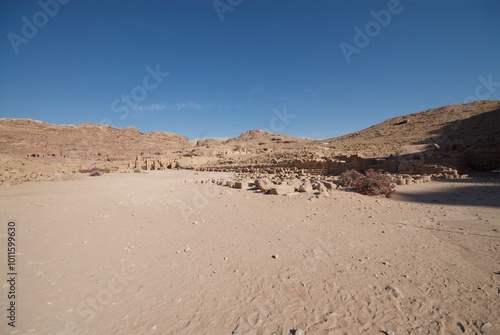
x: 314, y: 69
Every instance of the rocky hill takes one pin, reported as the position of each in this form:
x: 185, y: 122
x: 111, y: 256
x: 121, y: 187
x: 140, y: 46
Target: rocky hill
x: 462, y: 136
x: 25, y: 137
x: 471, y: 126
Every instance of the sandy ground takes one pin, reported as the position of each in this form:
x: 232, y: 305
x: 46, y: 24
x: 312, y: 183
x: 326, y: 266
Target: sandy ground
x: 154, y: 254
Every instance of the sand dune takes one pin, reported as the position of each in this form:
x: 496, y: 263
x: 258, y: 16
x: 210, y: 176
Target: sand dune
x: 161, y: 253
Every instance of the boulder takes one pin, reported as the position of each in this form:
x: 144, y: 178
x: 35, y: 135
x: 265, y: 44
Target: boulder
x: 329, y: 185
x: 282, y: 190
x: 241, y: 185
x: 263, y: 184
x: 305, y: 187
x: 322, y: 188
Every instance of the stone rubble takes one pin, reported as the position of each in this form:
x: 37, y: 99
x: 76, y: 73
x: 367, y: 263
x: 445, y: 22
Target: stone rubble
x: 288, y: 181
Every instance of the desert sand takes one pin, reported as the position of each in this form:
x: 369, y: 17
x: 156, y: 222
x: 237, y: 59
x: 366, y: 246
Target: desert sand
x: 162, y: 253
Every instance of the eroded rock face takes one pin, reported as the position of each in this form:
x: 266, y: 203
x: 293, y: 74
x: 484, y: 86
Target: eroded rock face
x: 25, y: 137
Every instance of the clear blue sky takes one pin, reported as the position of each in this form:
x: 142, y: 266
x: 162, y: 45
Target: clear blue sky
x: 235, y: 67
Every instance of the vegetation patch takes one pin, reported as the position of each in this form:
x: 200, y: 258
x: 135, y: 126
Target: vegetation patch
x: 93, y: 172
x: 371, y: 183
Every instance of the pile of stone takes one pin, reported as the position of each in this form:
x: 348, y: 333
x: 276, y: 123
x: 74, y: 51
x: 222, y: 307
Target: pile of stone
x: 427, y: 173
x: 282, y: 183
x: 406, y: 179
x: 291, y: 181
x: 439, y: 171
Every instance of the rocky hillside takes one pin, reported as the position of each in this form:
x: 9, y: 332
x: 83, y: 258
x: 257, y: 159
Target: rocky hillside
x: 472, y: 126
x: 25, y: 137
x: 462, y: 136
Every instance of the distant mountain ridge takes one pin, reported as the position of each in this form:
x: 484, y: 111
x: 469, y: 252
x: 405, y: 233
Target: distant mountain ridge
x: 471, y: 130
x: 26, y: 137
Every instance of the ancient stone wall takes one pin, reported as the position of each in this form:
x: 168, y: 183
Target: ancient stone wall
x: 154, y: 163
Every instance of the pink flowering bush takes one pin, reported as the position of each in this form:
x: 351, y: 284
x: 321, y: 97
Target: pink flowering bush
x: 350, y: 178
x: 92, y: 172
x: 371, y: 183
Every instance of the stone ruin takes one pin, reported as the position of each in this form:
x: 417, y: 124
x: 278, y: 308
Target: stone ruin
x: 335, y: 166
x: 153, y: 163
x: 405, y: 171
x: 292, y: 181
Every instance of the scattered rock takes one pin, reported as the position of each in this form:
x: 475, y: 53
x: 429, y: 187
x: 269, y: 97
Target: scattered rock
x: 241, y: 185
x: 329, y: 185
x: 323, y: 193
x: 263, y: 184
x: 305, y: 187
x: 282, y: 190
x: 322, y: 188
x: 487, y: 325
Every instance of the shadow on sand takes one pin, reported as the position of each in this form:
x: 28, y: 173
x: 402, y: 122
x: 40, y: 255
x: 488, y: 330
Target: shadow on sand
x: 478, y: 191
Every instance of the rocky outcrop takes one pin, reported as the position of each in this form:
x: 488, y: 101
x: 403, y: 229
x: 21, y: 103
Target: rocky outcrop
x: 25, y: 138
